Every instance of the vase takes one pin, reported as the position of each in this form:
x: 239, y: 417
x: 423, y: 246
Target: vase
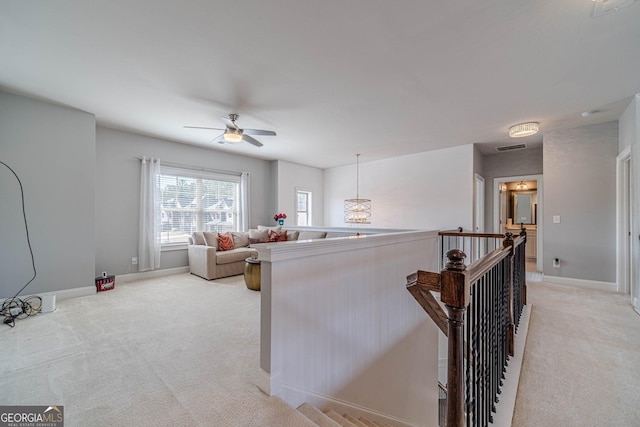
x: 281, y: 221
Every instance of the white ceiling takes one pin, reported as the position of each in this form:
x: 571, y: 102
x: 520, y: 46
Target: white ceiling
x: 332, y: 78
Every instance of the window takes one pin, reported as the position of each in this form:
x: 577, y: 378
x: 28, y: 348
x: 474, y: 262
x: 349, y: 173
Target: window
x: 197, y: 201
x: 303, y: 207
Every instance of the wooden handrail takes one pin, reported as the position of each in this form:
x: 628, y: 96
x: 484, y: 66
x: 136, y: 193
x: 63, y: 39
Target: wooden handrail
x: 491, y: 317
x: 469, y: 234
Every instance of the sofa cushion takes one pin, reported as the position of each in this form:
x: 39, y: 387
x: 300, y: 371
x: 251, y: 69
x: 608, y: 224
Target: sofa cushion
x: 240, y: 239
x: 258, y: 236
x: 234, y: 255
x: 292, y: 234
x: 276, y: 228
x: 306, y: 235
x: 211, y: 238
x: 198, y: 238
x: 225, y: 242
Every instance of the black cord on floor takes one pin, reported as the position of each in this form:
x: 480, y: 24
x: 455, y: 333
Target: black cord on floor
x: 13, y: 305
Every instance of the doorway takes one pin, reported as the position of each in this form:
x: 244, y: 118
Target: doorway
x: 478, y: 217
x: 624, y: 258
x: 510, y: 215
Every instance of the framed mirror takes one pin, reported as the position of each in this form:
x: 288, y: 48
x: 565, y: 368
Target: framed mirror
x: 525, y: 204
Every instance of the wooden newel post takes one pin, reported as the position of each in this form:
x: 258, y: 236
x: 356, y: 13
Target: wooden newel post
x: 455, y: 295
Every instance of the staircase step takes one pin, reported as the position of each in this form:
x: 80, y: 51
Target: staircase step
x: 354, y: 421
x: 316, y: 415
x: 339, y: 418
x: 368, y: 422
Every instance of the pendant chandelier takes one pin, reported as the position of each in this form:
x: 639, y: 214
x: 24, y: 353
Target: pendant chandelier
x: 357, y: 211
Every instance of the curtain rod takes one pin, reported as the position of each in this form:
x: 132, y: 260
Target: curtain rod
x: 193, y: 168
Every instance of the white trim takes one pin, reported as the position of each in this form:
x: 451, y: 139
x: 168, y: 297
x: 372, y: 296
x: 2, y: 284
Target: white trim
x: 301, y: 248
x: 269, y: 383
x: 507, y: 405
x: 478, y: 203
x: 62, y: 294
x: 151, y: 274
x: 581, y: 283
x: 623, y: 181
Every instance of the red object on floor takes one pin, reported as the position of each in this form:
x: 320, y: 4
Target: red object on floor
x: 105, y: 283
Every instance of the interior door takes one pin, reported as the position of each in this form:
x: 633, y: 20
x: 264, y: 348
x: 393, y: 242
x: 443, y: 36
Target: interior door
x: 478, y: 220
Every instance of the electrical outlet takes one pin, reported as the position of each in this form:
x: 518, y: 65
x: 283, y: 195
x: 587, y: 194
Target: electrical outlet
x: 134, y: 260
x: 556, y: 219
x: 556, y: 263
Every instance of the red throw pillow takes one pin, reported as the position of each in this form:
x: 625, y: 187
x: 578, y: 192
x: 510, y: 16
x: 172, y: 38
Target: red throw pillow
x: 275, y: 237
x: 225, y: 242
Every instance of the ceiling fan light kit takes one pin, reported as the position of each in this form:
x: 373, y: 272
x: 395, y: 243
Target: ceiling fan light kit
x: 234, y: 134
x: 523, y: 129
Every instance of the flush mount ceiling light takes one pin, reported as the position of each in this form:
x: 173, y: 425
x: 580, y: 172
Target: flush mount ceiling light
x: 357, y: 211
x: 521, y: 186
x: 523, y: 129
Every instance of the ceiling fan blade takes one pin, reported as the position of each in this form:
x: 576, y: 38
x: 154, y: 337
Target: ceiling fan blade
x: 252, y: 140
x: 229, y: 122
x: 219, y: 139
x: 200, y: 127
x: 258, y: 132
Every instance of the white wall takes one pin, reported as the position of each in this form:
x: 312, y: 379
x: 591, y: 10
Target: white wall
x: 431, y: 190
x: 511, y: 163
x: 580, y: 186
x: 52, y: 150
x: 118, y: 192
x: 340, y: 330
x: 289, y: 178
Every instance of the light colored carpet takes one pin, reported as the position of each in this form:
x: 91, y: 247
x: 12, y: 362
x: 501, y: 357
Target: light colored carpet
x: 181, y: 351
x: 172, y: 351
x: 581, y: 364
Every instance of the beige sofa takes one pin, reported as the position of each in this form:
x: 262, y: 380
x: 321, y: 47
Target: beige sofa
x: 208, y: 262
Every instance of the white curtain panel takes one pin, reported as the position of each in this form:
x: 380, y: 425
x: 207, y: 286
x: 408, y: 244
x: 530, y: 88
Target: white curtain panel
x: 245, y: 207
x: 149, y: 240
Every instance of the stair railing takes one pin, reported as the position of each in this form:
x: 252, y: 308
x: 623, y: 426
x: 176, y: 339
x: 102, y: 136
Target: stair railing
x: 474, y: 245
x: 483, y: 303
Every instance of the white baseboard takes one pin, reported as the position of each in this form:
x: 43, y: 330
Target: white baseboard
x: 320, y: 401
x: 151, y: 274
x: 63, y: 294
x: 581, y: 283
x: 268, y: 383
x: 84, y: 291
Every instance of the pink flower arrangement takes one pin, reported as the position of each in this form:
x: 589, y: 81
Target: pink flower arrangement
x: 280, y: 216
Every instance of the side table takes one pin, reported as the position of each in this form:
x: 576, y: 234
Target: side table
x: 252, y: 274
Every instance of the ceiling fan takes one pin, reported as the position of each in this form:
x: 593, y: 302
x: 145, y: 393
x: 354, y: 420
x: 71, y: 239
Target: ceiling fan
x: 234, y: 134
